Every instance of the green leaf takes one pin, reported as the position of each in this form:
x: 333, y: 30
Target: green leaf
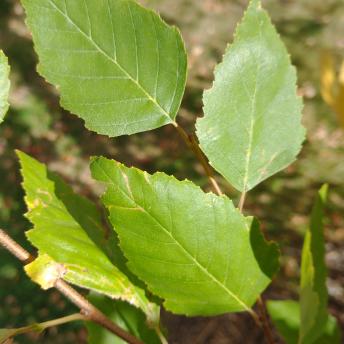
x: 124, y: 315
x: 4, y: 85
x: 251, y: 128
x: 308, y: 321
x: 313, y: 293
x: 68, y: 228
x: 117, y: 65
x: 285, y: 316
x: 193, y: 249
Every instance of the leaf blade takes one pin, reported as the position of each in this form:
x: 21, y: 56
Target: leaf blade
x: 157, y: 219
x: 4, y: 85
x: 313, y: 291
x: 66, y: 228
x: 89, y: 59
x: 252, y: 108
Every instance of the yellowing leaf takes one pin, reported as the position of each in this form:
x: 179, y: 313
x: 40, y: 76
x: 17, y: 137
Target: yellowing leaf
x: 45, y: 271
x: 328, y: 78
x: 332, y: 85
x: 68, y: 228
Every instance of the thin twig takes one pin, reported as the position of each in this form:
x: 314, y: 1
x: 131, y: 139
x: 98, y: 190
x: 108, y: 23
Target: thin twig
x: 263, y: 320
x: 89, y: 311
x: 191, y: 142
x: 242, y: 201
x: 39, y: 327
x: 8, y: 243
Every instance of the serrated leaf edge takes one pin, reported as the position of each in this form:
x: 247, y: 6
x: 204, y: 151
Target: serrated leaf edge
x: 257, y: 4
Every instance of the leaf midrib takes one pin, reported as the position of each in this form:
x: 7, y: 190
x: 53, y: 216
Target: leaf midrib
x: 252, y: 123
x: 239, y: 301
x: 90, y: 39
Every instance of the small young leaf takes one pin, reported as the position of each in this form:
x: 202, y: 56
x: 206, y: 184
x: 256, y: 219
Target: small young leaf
x: 117, y: 65
x: 313, y: 293
x: 4, y: 85
x: 68, y: 228
x: 193, y: 249
x: 285, y: 316
x: 251, y: 128
x: 124, y: 315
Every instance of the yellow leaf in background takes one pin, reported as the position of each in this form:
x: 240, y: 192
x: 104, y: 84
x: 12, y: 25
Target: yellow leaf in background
x: 341, y: 74
x: 328, y: 78
x: 332, y: 85
x: 339, y: 104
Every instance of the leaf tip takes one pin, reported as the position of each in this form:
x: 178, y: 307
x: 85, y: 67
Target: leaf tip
x: 323, y: 192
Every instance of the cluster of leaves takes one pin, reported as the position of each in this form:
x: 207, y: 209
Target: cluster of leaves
x: 195, y: 251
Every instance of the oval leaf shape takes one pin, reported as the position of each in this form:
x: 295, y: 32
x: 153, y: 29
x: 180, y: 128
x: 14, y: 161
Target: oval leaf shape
x: 117, y: 65
x: 4, y: 85
x: 68, y: 229
x: 252, y: 123
x: 193, y: 249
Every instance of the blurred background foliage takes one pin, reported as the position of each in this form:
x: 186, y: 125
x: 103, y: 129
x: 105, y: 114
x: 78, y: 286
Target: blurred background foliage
x: 314, y: 34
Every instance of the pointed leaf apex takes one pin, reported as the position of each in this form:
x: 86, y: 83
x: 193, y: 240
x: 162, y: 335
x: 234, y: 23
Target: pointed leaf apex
x: 251, y: 127
x: 323, y: 192
x: 255, y: 4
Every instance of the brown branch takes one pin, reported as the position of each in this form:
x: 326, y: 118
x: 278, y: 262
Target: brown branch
x: 9, y: 244
x: 192, y: 143
x: 242, y: 201
x: 89, y: 311
x: 264, y: 320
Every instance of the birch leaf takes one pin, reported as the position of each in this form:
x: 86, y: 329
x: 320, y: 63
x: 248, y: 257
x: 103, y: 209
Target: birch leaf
x: 193, y: 249
x: 68, y: 229
x: 117, y: 65
x: 252, y: 116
